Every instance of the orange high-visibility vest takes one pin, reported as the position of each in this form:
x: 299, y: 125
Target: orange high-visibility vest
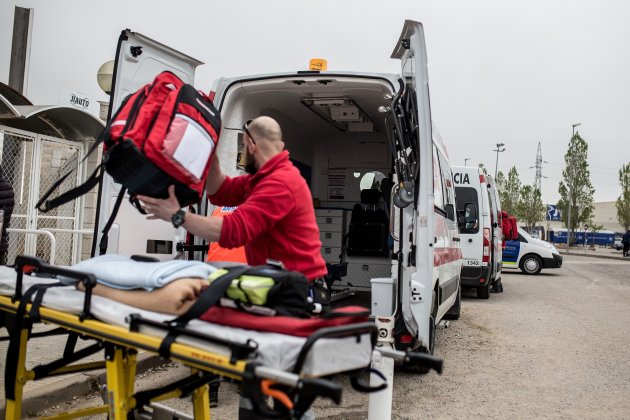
x: 218, y: 253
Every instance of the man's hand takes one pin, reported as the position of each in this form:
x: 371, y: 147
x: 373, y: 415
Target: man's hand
x: 161, y: 209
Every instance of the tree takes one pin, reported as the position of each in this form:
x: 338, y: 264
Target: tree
x: 509, y: 190
x: 623, y: 202
x: 576, y: 190
x: 530, y: 208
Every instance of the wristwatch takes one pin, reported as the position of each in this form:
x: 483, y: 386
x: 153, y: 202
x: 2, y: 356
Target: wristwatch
x: 178, y: 218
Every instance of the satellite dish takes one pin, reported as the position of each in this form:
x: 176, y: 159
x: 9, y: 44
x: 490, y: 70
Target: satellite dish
x: 104, y: 76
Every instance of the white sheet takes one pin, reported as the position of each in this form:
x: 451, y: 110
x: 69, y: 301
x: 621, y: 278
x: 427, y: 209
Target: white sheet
x: 278, y: 351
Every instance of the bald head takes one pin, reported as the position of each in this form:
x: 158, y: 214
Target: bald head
x: 268, y: 131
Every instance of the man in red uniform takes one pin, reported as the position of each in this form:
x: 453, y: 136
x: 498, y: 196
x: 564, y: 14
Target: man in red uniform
x: 275, y: 218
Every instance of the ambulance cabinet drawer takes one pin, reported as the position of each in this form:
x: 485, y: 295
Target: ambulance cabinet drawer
x: 360, y: 273
x: 329, y: 212
x: 331, y: 254
x: 330, y: 238
x: 330, y: 223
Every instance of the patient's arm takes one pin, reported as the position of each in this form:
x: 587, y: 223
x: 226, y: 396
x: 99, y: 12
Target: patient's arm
x: 174, y: 298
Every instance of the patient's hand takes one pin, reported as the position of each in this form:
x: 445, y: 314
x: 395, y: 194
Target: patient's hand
x: 175, y: 298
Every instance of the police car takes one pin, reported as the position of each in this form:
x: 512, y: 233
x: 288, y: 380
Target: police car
x: 530, y: 254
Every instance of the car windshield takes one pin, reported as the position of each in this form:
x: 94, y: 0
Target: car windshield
x: 525, y: 234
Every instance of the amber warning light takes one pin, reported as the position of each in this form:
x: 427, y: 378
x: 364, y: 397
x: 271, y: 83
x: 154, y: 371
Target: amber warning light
x: 318, y: 64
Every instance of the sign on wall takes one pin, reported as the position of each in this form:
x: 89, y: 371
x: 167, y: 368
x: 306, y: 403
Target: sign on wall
x: 80, y: 101
x: 553, y: 213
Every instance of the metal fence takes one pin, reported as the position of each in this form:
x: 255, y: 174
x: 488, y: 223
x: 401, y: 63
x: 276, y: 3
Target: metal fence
x: 32, y: 163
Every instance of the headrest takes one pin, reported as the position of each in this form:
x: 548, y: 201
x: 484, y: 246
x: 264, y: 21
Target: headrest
x: 370, y: 196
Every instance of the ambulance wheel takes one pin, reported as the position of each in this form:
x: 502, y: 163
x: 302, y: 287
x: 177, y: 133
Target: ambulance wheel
x: 456, y: 309
x: 483, y: 292
x: 531, y: 264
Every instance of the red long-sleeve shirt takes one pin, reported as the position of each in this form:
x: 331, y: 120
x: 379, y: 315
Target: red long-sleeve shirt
x: 275, y: 217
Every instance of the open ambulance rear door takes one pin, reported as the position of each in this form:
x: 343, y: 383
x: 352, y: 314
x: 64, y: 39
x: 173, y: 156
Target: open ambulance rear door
x: 138, y: 60
x: 416, y: 252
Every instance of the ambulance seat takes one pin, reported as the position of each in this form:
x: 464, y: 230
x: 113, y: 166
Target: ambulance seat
x: 369, y: 227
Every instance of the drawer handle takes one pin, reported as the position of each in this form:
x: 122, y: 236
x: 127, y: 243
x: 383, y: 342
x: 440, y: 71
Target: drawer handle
x: 327, y: 250
x: 328, y: 235
x: 365, y: 267
x: 329, y: 220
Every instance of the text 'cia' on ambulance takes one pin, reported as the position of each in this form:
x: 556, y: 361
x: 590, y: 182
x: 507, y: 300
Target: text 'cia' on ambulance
x: 530, y: 254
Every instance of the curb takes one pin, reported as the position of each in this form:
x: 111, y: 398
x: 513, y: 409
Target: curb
x: 609, y: 257
x: 77, y: 385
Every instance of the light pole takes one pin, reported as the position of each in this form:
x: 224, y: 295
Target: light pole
x: 498, y: 150
x: 466, y: 160
x: 570, y: 172
x: 575, y: 125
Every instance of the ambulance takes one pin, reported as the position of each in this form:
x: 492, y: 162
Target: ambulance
x: 481, y: 243
x: 529, y: 254
x: 365, y: 143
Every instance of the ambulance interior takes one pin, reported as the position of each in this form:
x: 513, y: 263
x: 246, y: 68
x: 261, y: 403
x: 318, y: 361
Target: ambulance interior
x: 334, y: 128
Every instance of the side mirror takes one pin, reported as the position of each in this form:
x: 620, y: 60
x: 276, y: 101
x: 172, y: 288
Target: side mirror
x: 467, y: 218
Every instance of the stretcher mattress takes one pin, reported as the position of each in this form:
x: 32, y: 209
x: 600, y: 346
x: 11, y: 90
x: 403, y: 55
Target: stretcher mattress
x: 328, y: 355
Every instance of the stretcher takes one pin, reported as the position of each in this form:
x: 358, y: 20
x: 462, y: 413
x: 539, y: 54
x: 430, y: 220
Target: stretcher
x: 293, y: 371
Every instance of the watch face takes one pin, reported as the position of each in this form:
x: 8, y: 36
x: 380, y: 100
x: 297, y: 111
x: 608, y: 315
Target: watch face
x: 178, y: 219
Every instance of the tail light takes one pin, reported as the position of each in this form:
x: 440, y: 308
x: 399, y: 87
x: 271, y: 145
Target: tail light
x: 486, y: 245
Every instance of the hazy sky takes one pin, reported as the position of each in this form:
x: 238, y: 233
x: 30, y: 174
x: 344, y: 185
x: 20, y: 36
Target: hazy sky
x: 516, y: 72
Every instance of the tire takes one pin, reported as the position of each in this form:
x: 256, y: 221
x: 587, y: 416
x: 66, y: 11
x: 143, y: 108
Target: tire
x: 531, y: 264
x: 456, y: 309
x: 483, y: 292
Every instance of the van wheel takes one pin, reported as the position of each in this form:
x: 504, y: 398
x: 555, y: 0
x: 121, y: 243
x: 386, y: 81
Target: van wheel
x: 455, y: 310
x: 483, y: 292
x: 531, y: 264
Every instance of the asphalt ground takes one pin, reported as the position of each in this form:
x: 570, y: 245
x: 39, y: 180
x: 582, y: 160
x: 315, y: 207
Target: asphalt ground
x: 72, y: 389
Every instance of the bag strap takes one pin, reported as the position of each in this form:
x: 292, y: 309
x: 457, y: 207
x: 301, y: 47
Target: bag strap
x: 102, y: 246
x: 208, y: 299
x: 211, y: 295
x: 44, y: 205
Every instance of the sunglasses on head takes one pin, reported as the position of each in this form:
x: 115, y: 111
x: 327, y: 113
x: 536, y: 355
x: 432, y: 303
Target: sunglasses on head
x: 247, y: 131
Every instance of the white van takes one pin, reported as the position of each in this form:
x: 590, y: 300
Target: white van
x: 365, y: 144
x: 481, y: 242
x: 529, y: 254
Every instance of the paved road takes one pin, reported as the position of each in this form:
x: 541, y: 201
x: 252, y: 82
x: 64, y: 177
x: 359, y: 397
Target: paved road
x: 556, y: 345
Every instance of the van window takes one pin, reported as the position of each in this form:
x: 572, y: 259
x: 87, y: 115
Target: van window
x: 447, y: 177
x: 465, y: 195
x: 438, y: 187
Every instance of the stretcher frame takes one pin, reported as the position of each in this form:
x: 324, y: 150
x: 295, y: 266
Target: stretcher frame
x: 293, y: 390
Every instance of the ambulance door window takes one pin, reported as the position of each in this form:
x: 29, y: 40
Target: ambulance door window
x: 438, y: 186
x: 449, y: 189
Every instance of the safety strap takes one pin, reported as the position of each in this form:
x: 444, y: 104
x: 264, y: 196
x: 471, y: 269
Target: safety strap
x: 13, y: 351
x: 37, y: 302
x: 208, y: 299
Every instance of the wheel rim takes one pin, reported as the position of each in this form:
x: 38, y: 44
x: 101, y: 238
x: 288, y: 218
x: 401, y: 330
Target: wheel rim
x: 531, y: 265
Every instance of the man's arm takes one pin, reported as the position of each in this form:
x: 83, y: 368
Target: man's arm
x: 208, y: 228
x: 216, y: 177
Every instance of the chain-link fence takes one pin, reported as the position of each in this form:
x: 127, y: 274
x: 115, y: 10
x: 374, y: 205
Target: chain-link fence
x: 32, y: 164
